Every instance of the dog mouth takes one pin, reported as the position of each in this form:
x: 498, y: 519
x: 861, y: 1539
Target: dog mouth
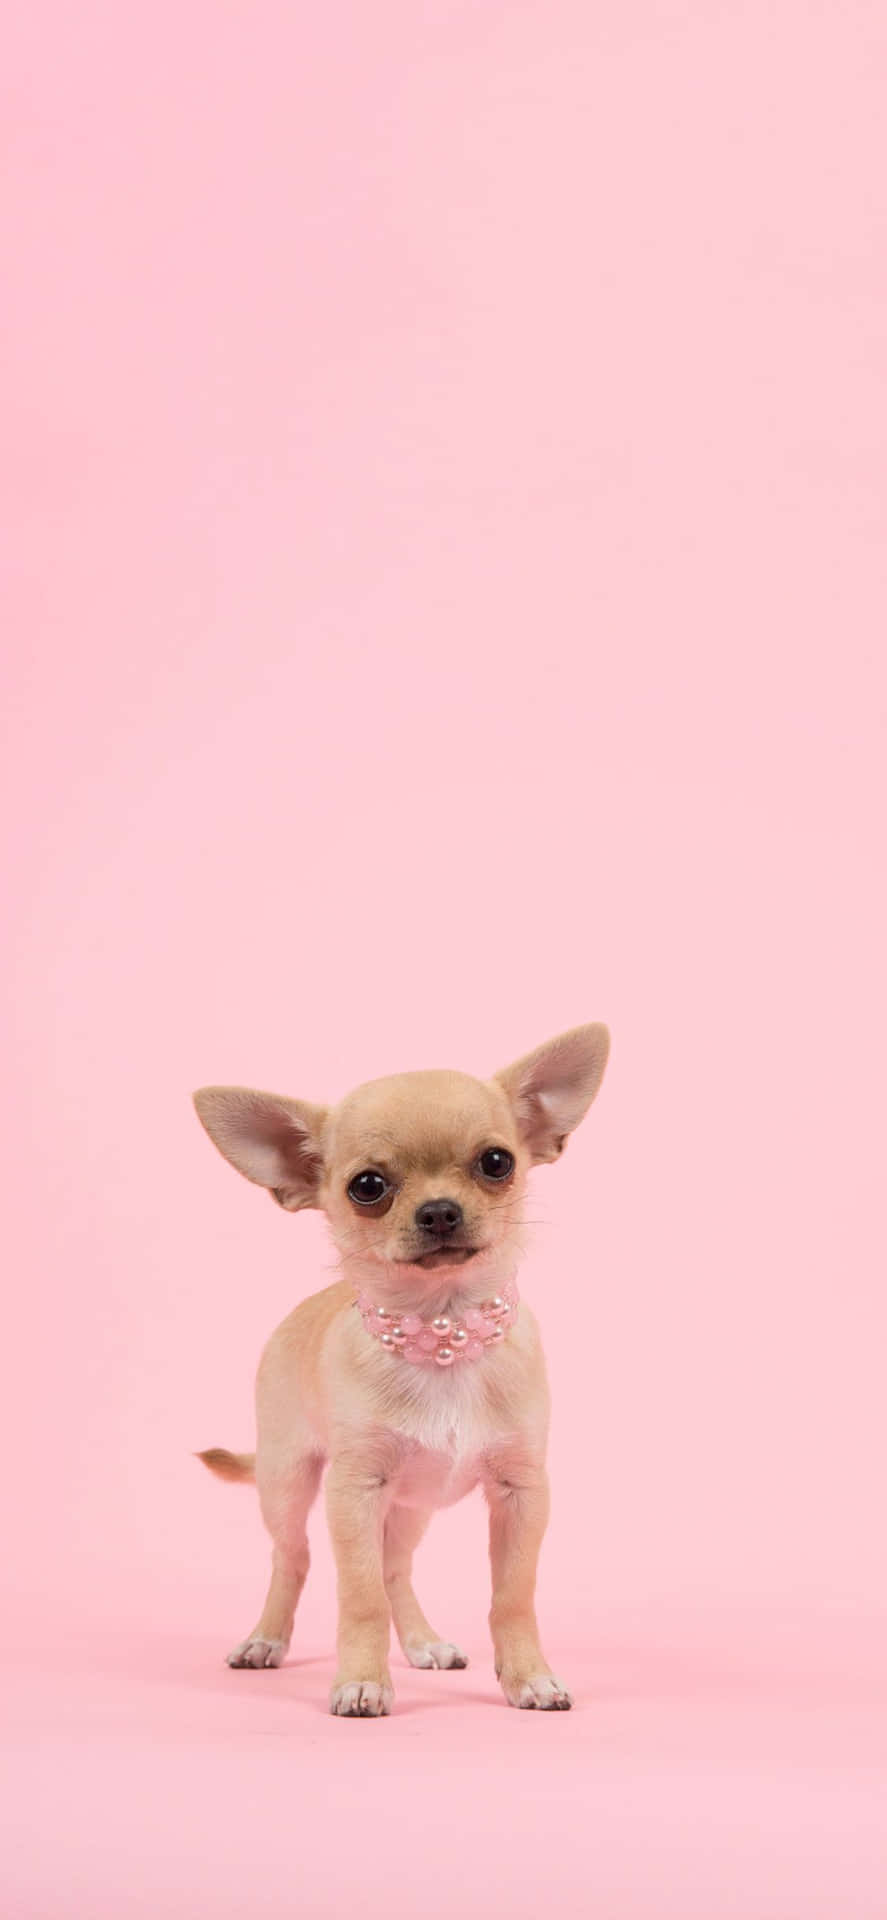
x: 442, y: 1256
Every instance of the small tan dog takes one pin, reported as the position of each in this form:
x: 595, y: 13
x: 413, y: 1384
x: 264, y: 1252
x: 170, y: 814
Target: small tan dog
x: 437, y: 1381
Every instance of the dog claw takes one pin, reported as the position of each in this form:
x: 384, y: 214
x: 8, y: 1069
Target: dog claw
x: 435, y: 1653
x: 361, y: 1700
x: 538, y: 1690
x: 257, y: 1653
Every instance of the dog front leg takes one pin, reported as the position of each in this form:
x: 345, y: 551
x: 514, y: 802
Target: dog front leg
x: 356, y: 1501
x: 518, y: 1517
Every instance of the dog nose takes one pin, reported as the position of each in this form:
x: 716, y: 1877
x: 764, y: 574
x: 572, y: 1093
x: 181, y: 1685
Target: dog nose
x: 439, y: 1216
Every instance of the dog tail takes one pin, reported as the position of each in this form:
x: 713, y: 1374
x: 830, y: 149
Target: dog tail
x: 229, y: 1466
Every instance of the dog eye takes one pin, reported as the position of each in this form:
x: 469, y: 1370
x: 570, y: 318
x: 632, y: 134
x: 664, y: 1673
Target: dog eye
x: 367, y: 1187
x: 497, y: 1163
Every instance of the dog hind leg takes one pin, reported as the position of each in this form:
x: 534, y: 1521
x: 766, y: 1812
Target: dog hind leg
x: 404, y: 1528
x: 287, y: 1491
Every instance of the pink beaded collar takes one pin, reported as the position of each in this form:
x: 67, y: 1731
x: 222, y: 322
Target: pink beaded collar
x: 445, y: 1339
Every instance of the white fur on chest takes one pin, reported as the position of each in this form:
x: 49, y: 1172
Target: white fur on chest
x: 447, y: 1426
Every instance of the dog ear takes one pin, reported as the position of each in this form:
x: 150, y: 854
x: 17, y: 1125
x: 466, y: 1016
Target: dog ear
x: 269, y: 1139
x: 552, y: 1089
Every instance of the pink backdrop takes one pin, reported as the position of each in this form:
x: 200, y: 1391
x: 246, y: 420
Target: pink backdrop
x: 445, y: 489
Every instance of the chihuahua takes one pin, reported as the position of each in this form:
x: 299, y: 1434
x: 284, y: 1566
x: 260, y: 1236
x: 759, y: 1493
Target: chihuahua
x: 418, y: 1374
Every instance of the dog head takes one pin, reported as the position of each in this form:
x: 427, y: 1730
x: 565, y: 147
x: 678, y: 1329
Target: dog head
x: 417, y: 1171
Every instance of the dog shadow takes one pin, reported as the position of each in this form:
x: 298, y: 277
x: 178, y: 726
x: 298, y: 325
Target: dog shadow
x: 149, y: 1658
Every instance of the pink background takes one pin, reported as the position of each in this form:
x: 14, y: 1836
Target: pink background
x: 445, y: 494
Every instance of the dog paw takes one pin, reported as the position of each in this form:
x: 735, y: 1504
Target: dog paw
x: 361, y: 1699
x: 257, y: 1653
x: 435, y: 1653
x: 536, y: 1690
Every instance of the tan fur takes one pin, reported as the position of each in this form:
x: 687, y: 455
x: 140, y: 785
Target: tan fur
x: 398, y: 1440
x: 229, y: 1466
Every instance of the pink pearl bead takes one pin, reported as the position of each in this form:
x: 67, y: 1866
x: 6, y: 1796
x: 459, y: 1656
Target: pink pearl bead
x: 427, y: 1340
x: 444, y: 1356
x: 458, y: 1338
x: 411, y: 1324
x: 441, y: 1326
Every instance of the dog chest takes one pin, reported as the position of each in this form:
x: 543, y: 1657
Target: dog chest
x: 443, y: 1429
x: 428, y: 1477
